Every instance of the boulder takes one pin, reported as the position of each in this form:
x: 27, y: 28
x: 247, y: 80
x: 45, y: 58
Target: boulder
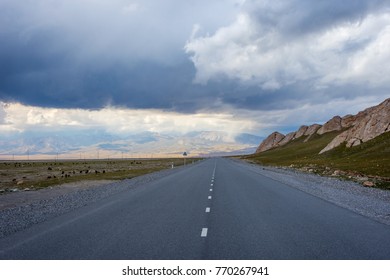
x: 368, y: 184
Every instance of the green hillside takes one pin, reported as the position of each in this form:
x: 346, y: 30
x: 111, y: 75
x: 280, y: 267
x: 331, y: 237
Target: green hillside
x: 368, y: 159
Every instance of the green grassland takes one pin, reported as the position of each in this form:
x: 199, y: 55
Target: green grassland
x: 371, y: 159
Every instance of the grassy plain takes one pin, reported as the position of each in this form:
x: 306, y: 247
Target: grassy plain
x: 32, y: 175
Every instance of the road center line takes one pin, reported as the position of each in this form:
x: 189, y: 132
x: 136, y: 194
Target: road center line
x: 209, y: 197
x: 207, y: 210
x: 211, y: 190
x: 204, y: 232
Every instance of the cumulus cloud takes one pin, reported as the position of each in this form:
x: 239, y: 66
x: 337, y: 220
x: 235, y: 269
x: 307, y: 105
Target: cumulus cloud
x: 119, y: 120
x: 281, y: 44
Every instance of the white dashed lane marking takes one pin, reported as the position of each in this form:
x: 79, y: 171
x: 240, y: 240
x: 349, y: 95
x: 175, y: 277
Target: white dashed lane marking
x: 211, y: 190
x: 207, y: 210
x: 204, y: 232
x: 209, y: 197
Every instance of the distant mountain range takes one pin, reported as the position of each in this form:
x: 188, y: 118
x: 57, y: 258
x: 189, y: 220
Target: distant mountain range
x: 95, y: 143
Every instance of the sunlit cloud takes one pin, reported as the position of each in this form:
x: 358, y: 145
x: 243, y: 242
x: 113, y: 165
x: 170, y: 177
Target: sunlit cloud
x: 119, y: 120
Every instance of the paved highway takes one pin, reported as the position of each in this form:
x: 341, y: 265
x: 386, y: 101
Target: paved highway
x: 216, y: 209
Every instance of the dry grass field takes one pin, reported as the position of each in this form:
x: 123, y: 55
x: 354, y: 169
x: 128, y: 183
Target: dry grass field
x: 32, y: 175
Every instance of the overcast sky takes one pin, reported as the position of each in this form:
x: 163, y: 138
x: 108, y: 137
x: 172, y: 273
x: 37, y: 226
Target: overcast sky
x: 243, y: 65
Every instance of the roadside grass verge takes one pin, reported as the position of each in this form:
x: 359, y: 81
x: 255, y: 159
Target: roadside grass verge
x: 370, y: 159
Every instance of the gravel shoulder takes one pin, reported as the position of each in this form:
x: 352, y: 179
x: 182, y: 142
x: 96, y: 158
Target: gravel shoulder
x: 370, y: 202
x: 19, y: 211
x: 19, y: 199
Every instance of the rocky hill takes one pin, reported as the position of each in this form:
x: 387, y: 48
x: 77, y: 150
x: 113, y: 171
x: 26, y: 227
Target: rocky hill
x: 354, y: 129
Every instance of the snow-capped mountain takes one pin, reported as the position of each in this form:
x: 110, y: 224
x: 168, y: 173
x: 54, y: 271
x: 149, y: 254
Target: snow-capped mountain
x: 95, y: 143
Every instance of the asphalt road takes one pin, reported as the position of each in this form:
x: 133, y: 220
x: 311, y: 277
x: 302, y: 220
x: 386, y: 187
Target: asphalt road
x: 216, y: 209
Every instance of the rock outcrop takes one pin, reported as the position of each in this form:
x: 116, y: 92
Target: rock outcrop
x: 270, y: 142
x: 312, y: 129
x: 348, y: 121
x: 334, y: 124
x: 367, y: 125
x: 290, y: 136
x: 301, y: 131
x: 358, y: 129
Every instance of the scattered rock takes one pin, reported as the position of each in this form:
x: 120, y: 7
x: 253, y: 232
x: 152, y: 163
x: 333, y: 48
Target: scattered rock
x: 368, y: 184
x: 336, y: 173
x: 20, y: 182
x: 361, y: 179
x: 26, y: 189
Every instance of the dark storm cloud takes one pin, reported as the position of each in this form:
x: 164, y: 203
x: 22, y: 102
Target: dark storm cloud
x: 90, y: 54
x: 294, y: 17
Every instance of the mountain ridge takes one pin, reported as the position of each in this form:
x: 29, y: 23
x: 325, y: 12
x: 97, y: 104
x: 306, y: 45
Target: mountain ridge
x: 354, y: 129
